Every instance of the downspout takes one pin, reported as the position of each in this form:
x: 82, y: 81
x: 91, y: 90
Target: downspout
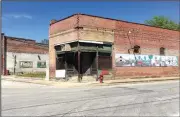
x: 131, y: 45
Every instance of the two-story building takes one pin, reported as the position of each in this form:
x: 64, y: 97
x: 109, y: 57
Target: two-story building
x: 85, y: 44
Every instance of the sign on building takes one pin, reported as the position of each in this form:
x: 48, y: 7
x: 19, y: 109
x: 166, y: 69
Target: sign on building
x: 145, y: 60
x: 26, y: 64
x: 41, y: 64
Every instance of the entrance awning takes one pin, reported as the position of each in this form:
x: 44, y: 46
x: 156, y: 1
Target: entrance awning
x: 88, y: 46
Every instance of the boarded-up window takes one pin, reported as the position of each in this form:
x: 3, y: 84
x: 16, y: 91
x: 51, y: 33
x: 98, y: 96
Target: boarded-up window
x: 136, y: 49
x: 162, y: 51
x: 105, y: 61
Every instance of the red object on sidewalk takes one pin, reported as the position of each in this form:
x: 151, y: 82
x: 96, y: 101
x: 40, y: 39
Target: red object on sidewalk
x: 101, y: 78
x: 6, y: 72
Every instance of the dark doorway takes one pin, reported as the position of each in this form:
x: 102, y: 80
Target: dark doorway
x: 69, y: 61
x: 88, y: 60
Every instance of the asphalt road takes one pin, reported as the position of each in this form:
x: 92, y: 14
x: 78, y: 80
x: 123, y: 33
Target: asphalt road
x: 145, y: 99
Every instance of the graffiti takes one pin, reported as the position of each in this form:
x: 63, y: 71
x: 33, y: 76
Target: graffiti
x: 145, y: 60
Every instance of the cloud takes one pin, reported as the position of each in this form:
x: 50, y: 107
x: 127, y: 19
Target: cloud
x: 17, y: 16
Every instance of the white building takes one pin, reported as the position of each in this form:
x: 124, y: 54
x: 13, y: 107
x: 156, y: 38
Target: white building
x: 23, y: 55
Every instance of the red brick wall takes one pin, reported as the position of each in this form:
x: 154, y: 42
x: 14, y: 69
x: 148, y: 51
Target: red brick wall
x: 150, y: 39
x: 91, y: 21
x: 60, y: 32
x: 24, y: 46
x: 146, y: 71
x: 61, y: 38
x: 63, y: 25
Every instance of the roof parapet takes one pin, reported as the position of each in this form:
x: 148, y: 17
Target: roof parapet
x: 53, y: 21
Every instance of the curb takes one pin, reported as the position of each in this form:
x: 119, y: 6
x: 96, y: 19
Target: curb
x: 106, y: 83
x: 27, y: 82
x: 135, y: 81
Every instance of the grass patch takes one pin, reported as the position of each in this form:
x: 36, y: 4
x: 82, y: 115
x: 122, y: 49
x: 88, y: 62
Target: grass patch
x: 33, y: 75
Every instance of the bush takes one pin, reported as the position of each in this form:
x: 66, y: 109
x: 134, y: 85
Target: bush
x: 34, y: 75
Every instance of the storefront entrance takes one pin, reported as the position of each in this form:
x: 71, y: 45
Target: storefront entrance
x: 86, y: 59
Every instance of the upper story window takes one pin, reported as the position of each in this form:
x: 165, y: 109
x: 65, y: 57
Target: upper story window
x: 162, y: 51
x: 136, y: 49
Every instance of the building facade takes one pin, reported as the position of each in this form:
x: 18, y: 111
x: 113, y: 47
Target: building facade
x: 85, y: 44
x: 23, y: 55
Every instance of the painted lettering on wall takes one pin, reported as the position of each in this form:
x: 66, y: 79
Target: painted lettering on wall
x: 26, y: 64
x: 145, y: 60
x: 41, y: 64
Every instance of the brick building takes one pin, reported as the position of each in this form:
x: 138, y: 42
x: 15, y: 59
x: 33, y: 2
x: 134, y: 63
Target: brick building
x: 84, y: 44
x: 22, y: 55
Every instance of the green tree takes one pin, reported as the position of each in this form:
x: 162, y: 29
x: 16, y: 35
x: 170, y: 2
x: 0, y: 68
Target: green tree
x: 163, y: 22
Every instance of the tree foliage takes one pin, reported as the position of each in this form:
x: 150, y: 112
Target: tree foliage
x: 163, y: 22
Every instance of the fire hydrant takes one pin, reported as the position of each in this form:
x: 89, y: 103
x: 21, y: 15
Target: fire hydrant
x: 101, y: 78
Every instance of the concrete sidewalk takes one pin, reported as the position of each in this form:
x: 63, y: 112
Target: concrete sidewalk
x: 92, y: 83
x: 44, y: 82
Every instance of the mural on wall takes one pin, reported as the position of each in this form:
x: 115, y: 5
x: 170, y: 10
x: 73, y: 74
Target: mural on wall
x: 41, y: 64
x: 26, y: 64
x: 145, y: 60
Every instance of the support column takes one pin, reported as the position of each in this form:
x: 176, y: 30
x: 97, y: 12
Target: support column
x: 65, y: 66
x: 79, y: 66
x: 14, y: 71
x: 113, y: 61
x: 3, y: 54
x: 74, y: 60
x: 97, y: 61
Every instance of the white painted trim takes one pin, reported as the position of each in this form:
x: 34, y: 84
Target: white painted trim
x: 91, y: 41
x: 65, y: 43
x: 98, y: 42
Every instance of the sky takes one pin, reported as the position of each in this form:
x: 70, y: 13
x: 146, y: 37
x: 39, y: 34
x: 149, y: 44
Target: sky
x: 31, y: 19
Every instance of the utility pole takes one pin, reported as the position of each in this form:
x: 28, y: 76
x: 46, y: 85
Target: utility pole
x: 14, y: 71
x: 97, y: 61
x: 1, y: 54
x: 65, y: 66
